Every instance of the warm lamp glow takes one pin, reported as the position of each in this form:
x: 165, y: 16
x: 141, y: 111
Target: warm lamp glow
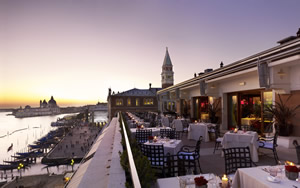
x: 236, y: 130
x: 224, y: 181
x: 289, y: 163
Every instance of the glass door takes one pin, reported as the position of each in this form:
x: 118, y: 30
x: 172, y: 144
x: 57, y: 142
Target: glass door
x: 232, y: 111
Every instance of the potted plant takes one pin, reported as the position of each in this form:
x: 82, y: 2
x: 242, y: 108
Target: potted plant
x: 282, y: 115
x: 213, y: 109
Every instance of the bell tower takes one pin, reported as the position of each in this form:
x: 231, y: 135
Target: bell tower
x: 167, y: 74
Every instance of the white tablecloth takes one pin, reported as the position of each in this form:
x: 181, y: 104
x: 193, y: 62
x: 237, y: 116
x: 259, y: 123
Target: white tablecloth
x: 171, y: 146
x: 242, y: 139
x: 177, y: 124
x: 196, y: 130
x: 174, y: 182
x: 256, y: 177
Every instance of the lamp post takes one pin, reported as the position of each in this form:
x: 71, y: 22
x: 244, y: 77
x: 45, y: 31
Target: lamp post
x: 72, y: 164
x: 20, y: 169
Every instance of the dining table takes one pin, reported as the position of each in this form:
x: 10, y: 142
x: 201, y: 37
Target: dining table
x: 242, y: 139
x: 174, y: 182
x: 171, y: 146
x: 196, y: 130
x: 259, y: 177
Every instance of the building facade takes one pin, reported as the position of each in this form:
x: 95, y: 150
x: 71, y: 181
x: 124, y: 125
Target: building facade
x: 134, y: 100
x: 243, y: 88
x: 45, y: 109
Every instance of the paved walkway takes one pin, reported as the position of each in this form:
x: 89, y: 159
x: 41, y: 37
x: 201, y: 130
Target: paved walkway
x: 76, y: 143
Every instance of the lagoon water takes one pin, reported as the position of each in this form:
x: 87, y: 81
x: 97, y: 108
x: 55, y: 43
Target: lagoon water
x: 23, y: 131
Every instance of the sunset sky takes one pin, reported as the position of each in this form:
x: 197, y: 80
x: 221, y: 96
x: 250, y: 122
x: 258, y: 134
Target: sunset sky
x: 76, y: 49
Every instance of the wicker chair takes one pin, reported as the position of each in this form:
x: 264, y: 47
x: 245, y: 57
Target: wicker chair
x: 235, y: 158
x: 156, y: 156
x: 218, y: 137
x: 142, y: 135
x: 297, y: 150
x: 170, y: 133
x: 180, y: 165
x: 271, y: 144
x: 191, y: 153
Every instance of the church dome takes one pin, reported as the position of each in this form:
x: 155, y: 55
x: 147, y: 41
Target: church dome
x: 52, y: 102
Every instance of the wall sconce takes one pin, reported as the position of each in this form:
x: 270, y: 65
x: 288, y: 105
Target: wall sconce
x: 242, y: 83
x: 281, y: 73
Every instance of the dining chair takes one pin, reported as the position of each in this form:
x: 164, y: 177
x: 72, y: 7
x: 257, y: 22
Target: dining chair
x: 170, y: 133
x: 156, y: 156
x: 219, y: 139
x: 235, y: 158
x: 180, y: 165
x: 142, y: 135
x: 191, y: 153
x: 269, y: 143
x: 297, y: 150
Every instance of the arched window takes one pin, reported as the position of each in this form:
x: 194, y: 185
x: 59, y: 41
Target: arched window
x: 137, y: 102
x: 148, y: 101
x: 128, y: 102
x: 119, y: 102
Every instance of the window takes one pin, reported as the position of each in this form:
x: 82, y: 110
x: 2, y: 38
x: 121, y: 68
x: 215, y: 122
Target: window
x: 137, y: 102
x: 128, y: 102
x: 148, y: 101
x: 119, y: 102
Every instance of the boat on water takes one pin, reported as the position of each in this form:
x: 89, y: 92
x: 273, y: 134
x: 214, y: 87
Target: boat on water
x: 17, y: 162
x: 8, y: 166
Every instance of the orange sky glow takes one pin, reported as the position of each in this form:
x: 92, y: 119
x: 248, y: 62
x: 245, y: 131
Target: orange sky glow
x: 76, y: 50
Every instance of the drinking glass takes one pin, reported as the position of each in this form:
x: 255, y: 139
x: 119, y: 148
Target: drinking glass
x: 273, y: 171
x: 182, y: 182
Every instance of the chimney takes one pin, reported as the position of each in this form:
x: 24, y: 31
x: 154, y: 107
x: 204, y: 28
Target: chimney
x: 221, y: 64
x: 150, y: 86
x: 195, y: 75
x: 109, y: 91
x: 298, y: 33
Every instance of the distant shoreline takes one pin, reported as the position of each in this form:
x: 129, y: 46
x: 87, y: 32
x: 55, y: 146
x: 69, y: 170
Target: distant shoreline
x: 6, y: 109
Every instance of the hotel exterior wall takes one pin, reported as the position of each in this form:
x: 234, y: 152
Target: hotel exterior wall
x: 295, y: 77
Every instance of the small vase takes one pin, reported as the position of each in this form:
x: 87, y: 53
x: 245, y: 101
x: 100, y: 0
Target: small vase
x: 201, y: 186
x: 291, y: 175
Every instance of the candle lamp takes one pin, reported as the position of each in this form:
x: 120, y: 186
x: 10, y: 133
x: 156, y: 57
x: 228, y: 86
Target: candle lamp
x: 235, y: 130
x: 196, y: 121
x: 142, y: 126
x: 291, y: 171
x: 155, y: 139
x: 224, y: 181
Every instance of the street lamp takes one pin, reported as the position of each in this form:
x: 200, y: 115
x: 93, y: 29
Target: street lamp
x: 20, y: 169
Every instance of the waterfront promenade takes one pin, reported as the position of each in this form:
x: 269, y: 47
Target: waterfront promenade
x: 76, y: 143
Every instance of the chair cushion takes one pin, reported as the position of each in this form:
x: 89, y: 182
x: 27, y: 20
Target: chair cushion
x: 268, y: 145
x: 187, y: 155
x: 220, y: 139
